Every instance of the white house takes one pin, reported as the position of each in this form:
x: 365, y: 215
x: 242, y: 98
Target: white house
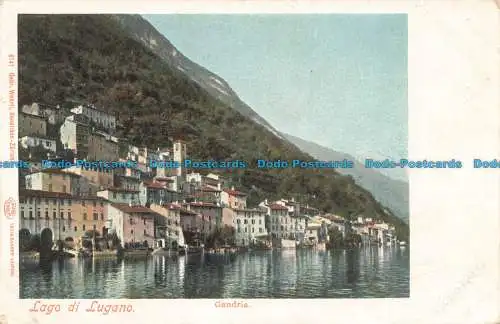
x: 120, y: 195
x: 32, y: 141
x: 75, y: 135
x: 98, y: 116
x: 250, y: 225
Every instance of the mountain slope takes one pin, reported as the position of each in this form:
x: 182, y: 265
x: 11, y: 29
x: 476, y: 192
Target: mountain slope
x: 144, y: 32
x: 391, y: 193
x: 92, y: 58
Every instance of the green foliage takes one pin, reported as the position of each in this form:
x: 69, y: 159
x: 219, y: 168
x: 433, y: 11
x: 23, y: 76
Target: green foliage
x: 221, y: 237
x: 92, y: 59
x: 336, y: 238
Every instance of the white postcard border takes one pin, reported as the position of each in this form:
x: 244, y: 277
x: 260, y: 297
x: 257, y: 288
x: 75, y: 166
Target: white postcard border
x: 453, y: 113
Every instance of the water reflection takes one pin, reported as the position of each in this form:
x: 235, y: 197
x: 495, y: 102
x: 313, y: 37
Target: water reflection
x: 367, y: 272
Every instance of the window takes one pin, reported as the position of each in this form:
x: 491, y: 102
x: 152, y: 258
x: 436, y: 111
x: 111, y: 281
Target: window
x: 69, y: 215
x: 64, y: 229
x: 84, y: 216
x: 31, y: 214
x: 83, y: 227
x: 62, y: 202
x: 54, y: 214
x: 94, y: 203
x: 102, y: 216
x: 239, y: 230
x: 245, y: 221
x: 94, y: 216
x: 245, y: 229
x: 83, y: 202
x: 114, y: 195
x: 131, y: 231
x: 144, y: 232
x: 47, y: 214
x: 238, y: 221
x: 253, y: 221
x: 76, y: 229
x: 260, y: 221
x: 69, y: 202
x: 260, y: 230
x: 253, y: 229
x: 94, y: 227
x: 38, y: 214
x: 50, y: 187
x: 144, y: 221
x: 102, y: 204
x: 22, y: 213
x: 62, y: 215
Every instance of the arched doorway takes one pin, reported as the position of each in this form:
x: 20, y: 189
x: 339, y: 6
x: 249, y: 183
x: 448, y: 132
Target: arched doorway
x: 46, y: 238
x: 46, y: 242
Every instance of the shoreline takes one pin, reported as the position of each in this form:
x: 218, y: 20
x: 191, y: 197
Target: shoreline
x: 138, y: 254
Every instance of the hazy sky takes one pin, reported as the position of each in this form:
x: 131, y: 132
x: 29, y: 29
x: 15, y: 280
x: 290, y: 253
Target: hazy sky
x: 337, y: 80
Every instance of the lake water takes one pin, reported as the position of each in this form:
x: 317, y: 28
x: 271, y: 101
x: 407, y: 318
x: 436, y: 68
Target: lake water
x: 369, y: 272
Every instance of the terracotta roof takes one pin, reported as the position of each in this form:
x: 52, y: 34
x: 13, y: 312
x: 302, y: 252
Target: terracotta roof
x: 202, y: 204
x: 235, y: 192
x: 114, y: 189
x: 250, y: 210
x: 277, y: 207
x: 164, y: 179
x: 126, y: 208
x: 155, y: 185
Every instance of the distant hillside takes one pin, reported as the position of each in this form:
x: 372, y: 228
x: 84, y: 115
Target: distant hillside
x: 93, y: 58
x: 391, y: 193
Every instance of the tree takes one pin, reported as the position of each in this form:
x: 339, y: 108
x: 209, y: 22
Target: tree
x: 221, y: 236
x: 336, y: 237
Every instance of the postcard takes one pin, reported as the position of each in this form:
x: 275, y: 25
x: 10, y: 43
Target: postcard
x: 244, y: 162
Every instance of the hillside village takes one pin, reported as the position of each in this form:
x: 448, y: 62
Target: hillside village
x: 141, y: 207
